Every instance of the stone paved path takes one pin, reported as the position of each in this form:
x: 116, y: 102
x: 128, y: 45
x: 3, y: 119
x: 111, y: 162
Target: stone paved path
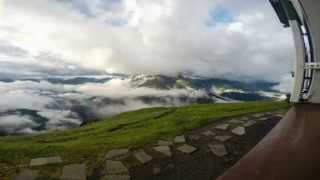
x: 240, y: 131
x: 263, y: 119
x: 116, y: 177
x: 45, y: 161
x: 163, y: 156
x: 116, y: 153
x: 249, y: 123
x: 235, y: 121
x: 257, y: 115
x: 115, y: 167
x: 142, y: 156
x: 180, y: 139
x: 216, y: 140
x: 165, y: 143
x: 188, y: 149
x: 244, y: 119
x: 164, y: 150
x: 194, y: 137
x: 74, y: 172
x: 26, y: 174
x: 222, y: 138
x: 209, y: 133
x: 218, y: 149
x: 222, y: 127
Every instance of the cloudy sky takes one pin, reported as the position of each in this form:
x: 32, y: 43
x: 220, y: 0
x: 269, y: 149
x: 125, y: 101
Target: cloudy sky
x: 234, y: 39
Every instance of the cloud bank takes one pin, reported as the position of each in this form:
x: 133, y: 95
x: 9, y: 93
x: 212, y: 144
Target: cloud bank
x: 31, y: 106
x: 224, y: 38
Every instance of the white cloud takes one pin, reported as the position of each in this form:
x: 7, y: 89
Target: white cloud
x: 286, y: 84
x: 121, y: 88
x: 59, y: 119
x: 16, y: 124
x: 64, y: 106
x: 143, y: 36
x: 22, y: 99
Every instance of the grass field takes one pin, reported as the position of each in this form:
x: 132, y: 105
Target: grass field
x: 130, y: 129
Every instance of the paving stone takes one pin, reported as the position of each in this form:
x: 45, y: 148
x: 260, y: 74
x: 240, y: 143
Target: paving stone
x: 233, y: 121
x: 165, y: 143
x: 180, y: 139
x: 164, y: 150
x: 74, y: 172
x: 142, y: 156
x: 263, y: 119
x: 222, y: 127
x: 209, y: 133
x: 194, y: 137
x: 239, y: 131
x: 218, y: 149
x: 257, y: 115
x: 268, y: 113
x: 116, y: 177
x: 188, y: 149
x: 244, y: 119
x: 222, y: 138
x: 249, y: 123
x: 27, y: 174
x: 116, y: 153
x: 45, y: 161
x: 115, y: 167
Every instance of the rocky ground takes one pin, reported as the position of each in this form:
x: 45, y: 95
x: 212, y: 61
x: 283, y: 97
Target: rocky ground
x: 201, y: 154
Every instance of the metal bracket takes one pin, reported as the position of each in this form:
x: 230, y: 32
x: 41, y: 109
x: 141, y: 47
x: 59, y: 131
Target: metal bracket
x: 315, y: 66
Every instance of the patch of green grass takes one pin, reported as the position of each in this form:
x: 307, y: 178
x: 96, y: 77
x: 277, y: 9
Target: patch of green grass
x: 182, y: 84
x: 130, y: 129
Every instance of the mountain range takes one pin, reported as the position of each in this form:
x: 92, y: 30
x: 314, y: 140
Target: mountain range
x: 39, y: 104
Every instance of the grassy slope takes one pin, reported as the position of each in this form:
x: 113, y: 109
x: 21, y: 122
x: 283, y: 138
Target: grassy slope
x: 127, y: 129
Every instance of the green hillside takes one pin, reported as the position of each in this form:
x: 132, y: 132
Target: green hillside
x: 133, y: 129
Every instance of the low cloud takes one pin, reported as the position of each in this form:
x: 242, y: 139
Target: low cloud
x: 121, y: 88
x: 60, y: 119
x: 15, y: 124
x: 38, y: 105
x: 286, y: 84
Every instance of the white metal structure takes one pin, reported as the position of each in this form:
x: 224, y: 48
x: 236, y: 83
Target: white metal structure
x: 303, y: 16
